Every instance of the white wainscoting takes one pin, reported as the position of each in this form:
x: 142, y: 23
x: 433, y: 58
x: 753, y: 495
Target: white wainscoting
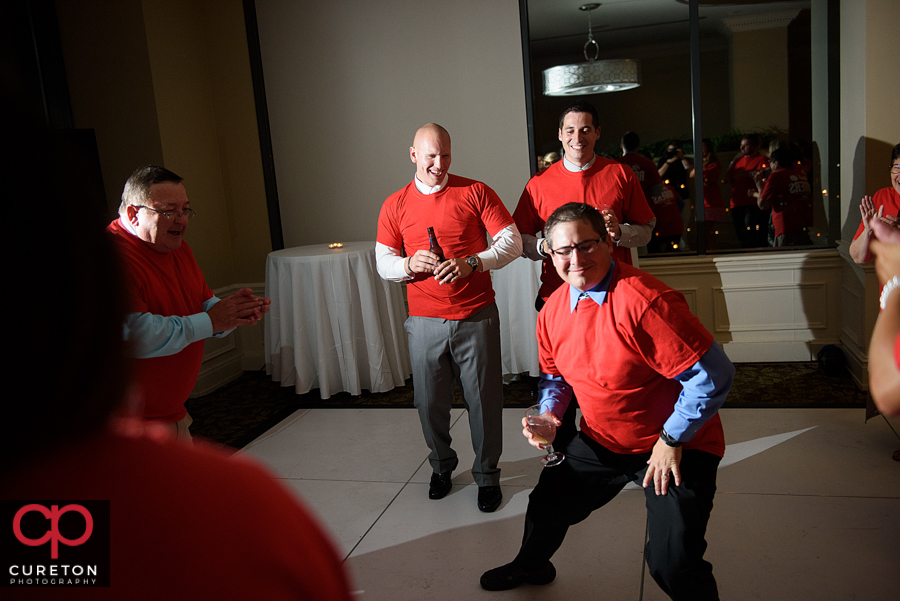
x: 778, y: 306
x: 859, y: 310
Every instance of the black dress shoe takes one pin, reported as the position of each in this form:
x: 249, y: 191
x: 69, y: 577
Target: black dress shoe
x: 489, y: 498
x: 440, y: 485
x: 511, y: 576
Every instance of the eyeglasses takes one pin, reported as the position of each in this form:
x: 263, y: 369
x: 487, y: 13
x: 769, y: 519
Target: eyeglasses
x: 584, y: 248
x: 895, y: 168
x: 191, y: 213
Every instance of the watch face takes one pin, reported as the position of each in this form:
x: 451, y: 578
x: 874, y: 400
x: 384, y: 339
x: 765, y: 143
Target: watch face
x: 473, y: 262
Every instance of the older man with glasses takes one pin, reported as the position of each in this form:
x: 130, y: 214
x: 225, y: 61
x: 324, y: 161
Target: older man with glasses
x: 171, y: 310
x: 650, y: 381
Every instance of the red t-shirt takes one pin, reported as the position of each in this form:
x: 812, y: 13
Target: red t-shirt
x: 712, y: 193
x: 668, y: 217
x: 606, y: 184
x: 740, y: 176
x: 462, y: 215
x: 163, y: 284
x: 645, y: 170
x: 185, y: 523
x: 890, y: 200
x: 789, y: 193
x: 620, y: 359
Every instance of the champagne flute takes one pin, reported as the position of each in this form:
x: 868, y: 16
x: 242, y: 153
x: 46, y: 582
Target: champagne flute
x: 606, y: 206
x: 541, y: 428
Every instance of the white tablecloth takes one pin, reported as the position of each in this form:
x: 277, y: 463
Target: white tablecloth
x: 334, y: 324
x: 516, y: 286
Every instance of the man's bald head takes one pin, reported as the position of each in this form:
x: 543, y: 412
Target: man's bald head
x: 431, y: 130
x: 431, y: 154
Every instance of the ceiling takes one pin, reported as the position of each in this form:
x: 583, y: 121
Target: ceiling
x: 560, y: 23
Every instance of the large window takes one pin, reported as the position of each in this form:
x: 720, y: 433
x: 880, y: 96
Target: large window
x: 731, y: 73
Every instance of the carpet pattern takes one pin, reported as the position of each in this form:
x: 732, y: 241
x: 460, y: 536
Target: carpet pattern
x: 239, y: 412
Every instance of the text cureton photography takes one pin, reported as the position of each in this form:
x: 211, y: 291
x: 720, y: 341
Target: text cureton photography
x: 54, y: 543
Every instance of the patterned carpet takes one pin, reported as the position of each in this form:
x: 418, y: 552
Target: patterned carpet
x: 237, y: 413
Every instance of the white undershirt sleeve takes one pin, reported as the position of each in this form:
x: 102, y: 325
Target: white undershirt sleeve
x: 633, y: 236
x: 506, y: 245
x: 390, y: 265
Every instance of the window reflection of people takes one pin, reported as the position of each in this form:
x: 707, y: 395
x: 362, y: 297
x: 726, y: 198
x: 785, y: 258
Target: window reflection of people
x: 787, y: 193
x: 184, y: 522
x: 884, y: 205
x: 669, y: 225
x: 713, y: 204
x: 651, y: 182
x: 550, y: 158
x: 673, y: 167
x: 750, y: 222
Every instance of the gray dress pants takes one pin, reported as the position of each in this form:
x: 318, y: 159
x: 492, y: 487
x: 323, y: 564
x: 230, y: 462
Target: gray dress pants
x: 444, y: 351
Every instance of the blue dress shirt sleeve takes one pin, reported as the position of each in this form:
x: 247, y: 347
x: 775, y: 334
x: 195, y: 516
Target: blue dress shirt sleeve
x: 554, y: 394
x: 705, y: 385
x: 153, y: 335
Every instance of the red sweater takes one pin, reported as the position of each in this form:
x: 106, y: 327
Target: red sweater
x: 890, y: 200
x: 462, y: 215
x: 163, y: 284
x: 788, y: 192
x: 712, y: 194
x: 742, y: 184
x: 668, y: 217
x: 621, y: 358
x: 185, y: 523
x: 644, y: 169
x: 607, y: 184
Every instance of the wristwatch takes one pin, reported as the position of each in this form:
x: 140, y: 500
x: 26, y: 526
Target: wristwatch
x: 473, y: 262
x: 668, y: 439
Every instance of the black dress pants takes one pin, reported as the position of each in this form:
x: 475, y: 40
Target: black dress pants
x: 591, y: 476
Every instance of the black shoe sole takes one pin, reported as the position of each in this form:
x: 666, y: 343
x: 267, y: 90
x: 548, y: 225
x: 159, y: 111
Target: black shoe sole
x: 545, y: 575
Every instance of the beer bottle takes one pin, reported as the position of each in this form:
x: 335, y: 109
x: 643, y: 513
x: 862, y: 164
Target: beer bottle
x: 434, y: 246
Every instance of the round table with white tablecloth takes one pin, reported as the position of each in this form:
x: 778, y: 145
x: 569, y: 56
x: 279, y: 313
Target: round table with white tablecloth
x: 334, y: 323
x: 515, y: 287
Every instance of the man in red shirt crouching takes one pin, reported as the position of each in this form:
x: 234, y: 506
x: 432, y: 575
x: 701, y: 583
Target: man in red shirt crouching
x: 650, y: 380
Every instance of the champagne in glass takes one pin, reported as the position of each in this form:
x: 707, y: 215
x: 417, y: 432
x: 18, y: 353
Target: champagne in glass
x: 543, y: 429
